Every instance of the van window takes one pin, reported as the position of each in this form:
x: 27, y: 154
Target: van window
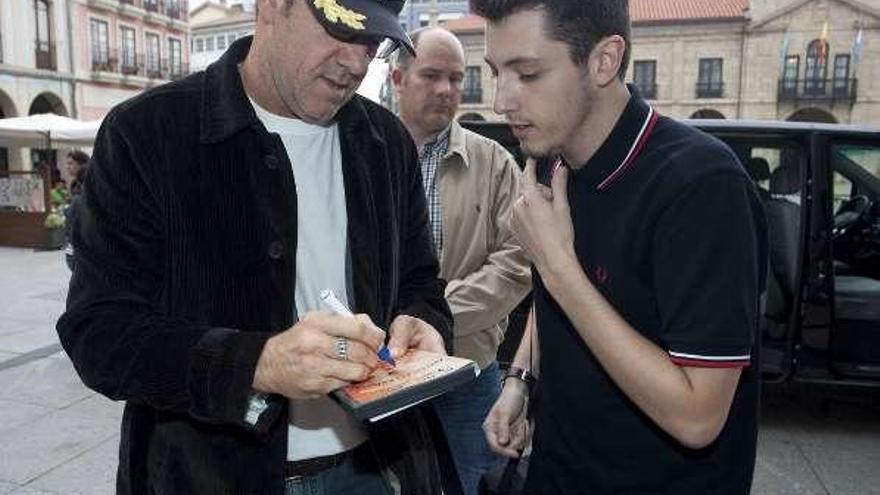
x: 776, y: 170
x: 842, y: 190
x: 866, y: 157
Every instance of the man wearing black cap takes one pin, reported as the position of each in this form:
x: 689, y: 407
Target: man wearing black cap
x: 217, y: 209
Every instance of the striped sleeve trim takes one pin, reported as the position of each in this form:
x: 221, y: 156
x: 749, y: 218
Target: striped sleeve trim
x: 704, y: 361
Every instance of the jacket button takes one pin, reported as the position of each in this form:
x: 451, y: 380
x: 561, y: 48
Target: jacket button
x: 276, y: 249
x: 271, y: 162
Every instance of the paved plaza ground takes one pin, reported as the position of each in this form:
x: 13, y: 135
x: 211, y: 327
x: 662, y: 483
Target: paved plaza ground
x: 59, y: 438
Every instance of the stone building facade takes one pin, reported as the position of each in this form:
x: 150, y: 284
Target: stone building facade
x: 122, y: 47
x: 815, y: 60
x: 419, y: 13
x: 79, y: 58
x: 35, y: 65
x: 214, y: 26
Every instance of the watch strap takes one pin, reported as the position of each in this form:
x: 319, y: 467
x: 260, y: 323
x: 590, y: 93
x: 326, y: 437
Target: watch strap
x: 521, y: 374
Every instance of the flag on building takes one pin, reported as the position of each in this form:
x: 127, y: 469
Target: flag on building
x: 823, y: 44
x: 858, y: 45
x: 783, y: 52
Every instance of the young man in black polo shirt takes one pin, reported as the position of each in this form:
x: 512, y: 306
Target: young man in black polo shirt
x: 649, y: 249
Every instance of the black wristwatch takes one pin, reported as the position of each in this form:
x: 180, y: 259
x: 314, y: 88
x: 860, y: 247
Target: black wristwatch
x: 522, y: 375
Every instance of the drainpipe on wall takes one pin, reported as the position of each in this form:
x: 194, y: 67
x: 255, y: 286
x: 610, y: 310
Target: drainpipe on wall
x: 742, y: 66
x: 70, y: 54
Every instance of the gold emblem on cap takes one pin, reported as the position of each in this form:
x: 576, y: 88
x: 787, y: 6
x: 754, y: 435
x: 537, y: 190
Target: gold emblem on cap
x: 337, y: 13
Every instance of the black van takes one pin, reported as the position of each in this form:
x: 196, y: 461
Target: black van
x: 820, y: 184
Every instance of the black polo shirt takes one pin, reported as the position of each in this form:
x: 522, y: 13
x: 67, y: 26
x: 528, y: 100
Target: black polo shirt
x: 669, y: 229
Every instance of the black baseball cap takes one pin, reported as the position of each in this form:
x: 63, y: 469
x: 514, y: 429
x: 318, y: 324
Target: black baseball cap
x: 348, y: 19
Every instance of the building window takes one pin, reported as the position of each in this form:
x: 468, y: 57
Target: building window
x: 790, y: 74
x: 151, y: 5
x: 127, y: 55
x: 473, y: 85
x: 710, y: 83
x: 209, y: 44
x: 816, y: 67
x: 153, y: 56
x: 42, y: 18
x: 172, y: 9
x: 841, y: 74
x: 45, y: 51
x: 199, y: 45
x: 230, y: 38
x: 99, y: 45
x: 174, y: 58
x: 644, y: 78
x: 221, y: 42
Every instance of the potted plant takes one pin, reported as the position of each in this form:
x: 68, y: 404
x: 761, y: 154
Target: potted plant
x: 55, y: 220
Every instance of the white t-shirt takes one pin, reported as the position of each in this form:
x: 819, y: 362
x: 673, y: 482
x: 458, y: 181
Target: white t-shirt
x: 318, y: 427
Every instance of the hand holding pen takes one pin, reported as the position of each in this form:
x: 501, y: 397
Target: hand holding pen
x: 334, y: 304
x: 406, y: 332
x: 317, y: 355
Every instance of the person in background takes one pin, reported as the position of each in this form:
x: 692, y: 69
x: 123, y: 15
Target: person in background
x: 649, y: 247
x: 470, y: 183
x: 217, y: 209
x: 76, y: 164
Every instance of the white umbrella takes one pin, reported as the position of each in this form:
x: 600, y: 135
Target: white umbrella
x: 44, y: 130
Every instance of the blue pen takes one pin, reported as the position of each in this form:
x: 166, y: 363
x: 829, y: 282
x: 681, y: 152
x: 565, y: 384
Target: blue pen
x: 334, y: 304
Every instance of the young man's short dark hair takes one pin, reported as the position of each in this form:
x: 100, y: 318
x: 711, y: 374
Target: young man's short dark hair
x: 580, y: 24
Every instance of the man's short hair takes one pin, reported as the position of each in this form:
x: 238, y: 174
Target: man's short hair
x: 79, y: 157
x: 580, y: 24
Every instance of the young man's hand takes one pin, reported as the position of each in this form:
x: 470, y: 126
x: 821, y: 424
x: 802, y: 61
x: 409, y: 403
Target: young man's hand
x: 541, y: 219
x: 506, y: 426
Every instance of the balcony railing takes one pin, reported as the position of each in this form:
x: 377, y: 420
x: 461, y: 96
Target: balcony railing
x: 170, y: 8
x: 45, y: 55
x: 816, y: 89
x: 104, y: 61
x: 154, y: 69
x: 472, y: 96
x: 710, y: 89
x: 132, y: 64
x: 172, y: 11
x: 112, y: 61
x: 177, y: 71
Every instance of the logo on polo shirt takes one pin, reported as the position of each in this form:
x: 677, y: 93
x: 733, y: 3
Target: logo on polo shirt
x: 337, y: 13
x: 600, y: 274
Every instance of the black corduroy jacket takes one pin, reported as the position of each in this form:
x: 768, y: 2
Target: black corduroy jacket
x: 185, y: 246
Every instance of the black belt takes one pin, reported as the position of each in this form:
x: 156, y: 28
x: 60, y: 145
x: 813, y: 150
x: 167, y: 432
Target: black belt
x: 313, y: 466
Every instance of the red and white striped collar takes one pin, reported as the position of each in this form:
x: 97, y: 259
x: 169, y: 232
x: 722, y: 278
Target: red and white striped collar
x: 623, y: 146
x: 635, y: 149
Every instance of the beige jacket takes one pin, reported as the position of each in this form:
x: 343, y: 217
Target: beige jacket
x: 487, y: 272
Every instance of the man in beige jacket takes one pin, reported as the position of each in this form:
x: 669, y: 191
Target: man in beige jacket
x: 471, y: 184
